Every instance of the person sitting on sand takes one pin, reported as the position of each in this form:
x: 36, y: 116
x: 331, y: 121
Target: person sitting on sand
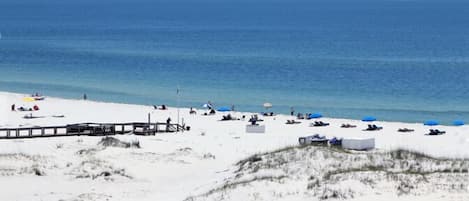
x: 36, y: 108
x: 212, y: 111
x: 192, y: 111
x: 299, y: 116
x: 253, y: 122
x: 163, y: 107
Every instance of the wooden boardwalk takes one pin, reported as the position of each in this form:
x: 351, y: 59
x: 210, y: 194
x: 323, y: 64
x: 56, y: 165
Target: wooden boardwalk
x: 90, y: 129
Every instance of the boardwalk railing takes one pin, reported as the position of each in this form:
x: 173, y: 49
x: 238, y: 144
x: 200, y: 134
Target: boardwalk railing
x: 90, y: 129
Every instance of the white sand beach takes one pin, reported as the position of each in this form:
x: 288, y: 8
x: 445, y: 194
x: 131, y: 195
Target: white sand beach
x: 185, y: 165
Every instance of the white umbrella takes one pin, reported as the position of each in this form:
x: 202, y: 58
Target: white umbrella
x: 207, y: 105
x: 267, y: 105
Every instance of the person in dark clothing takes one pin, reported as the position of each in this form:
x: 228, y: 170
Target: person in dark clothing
x: 168, y: 122
x: 192, y: 111
x: 13, y: 107
x: 85, y: 97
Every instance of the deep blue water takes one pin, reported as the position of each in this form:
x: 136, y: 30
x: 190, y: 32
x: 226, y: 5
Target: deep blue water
x: 394, y: 59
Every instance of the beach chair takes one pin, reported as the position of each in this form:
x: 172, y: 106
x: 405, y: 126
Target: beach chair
x: 436, y: 132
x: 315, y: 139
x: 373, y: 128
x: 335, y: 141
x: 405, y: 130
x: 348, y: 126
x: 292, y: 122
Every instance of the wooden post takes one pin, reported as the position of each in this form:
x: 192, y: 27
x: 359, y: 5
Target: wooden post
x: 55, y: 131
x: 30, y: 132
x: 17, y: 132
x: 43, y: 132
x: 8, y: 133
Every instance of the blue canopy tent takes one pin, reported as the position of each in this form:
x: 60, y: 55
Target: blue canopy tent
x: 430, y: 123
x: 315, y: 115
x: 458, y: 122
x: 223, y: 109
x: 369, y: 118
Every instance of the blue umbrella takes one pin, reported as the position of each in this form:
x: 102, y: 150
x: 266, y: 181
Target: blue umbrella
x: 223, y: 109
x: 430, y: 123
x: 315, y: 115
x: 369, y: 118
x: 458, y: 122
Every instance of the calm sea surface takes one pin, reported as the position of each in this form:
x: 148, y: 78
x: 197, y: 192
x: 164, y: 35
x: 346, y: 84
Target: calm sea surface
x: 394, y: 59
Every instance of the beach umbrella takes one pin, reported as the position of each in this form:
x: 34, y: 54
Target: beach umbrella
x: 430, y: 123
x: 267, y: 105
x: 315, y: 115
x: 207, y: 105
x: 28, y: 99
x: 458, y: 122
x: 223, y: 109
x: 369, y: 118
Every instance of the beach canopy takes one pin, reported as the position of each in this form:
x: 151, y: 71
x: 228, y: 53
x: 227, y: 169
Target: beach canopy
x: 369, y: 118
x: 207, y: 105
x: 29, y: 99
x: 458, y: 122
x: 223, y: 109
x: 315, y: 115
x: 267, y: 105
x: 430, y: 123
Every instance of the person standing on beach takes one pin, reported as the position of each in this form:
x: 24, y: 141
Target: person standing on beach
x: 13, y: 107
x: 292, y: 111
x: 233, y: 108
x: 209, y: 105
x: 168, y: 122
x: 85, y: 97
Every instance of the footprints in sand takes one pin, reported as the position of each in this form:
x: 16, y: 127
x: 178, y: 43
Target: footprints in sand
x: 185, y: 155
x: 24, y: 164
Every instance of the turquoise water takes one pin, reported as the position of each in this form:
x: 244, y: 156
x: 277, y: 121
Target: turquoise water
x: 397, y: 60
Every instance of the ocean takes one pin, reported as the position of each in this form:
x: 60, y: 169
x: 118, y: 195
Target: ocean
x: 398, y: 60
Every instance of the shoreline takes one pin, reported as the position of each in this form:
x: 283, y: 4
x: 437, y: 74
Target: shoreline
x: 79, y: 111
x: 403, y: 115
x: 199, y: 109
